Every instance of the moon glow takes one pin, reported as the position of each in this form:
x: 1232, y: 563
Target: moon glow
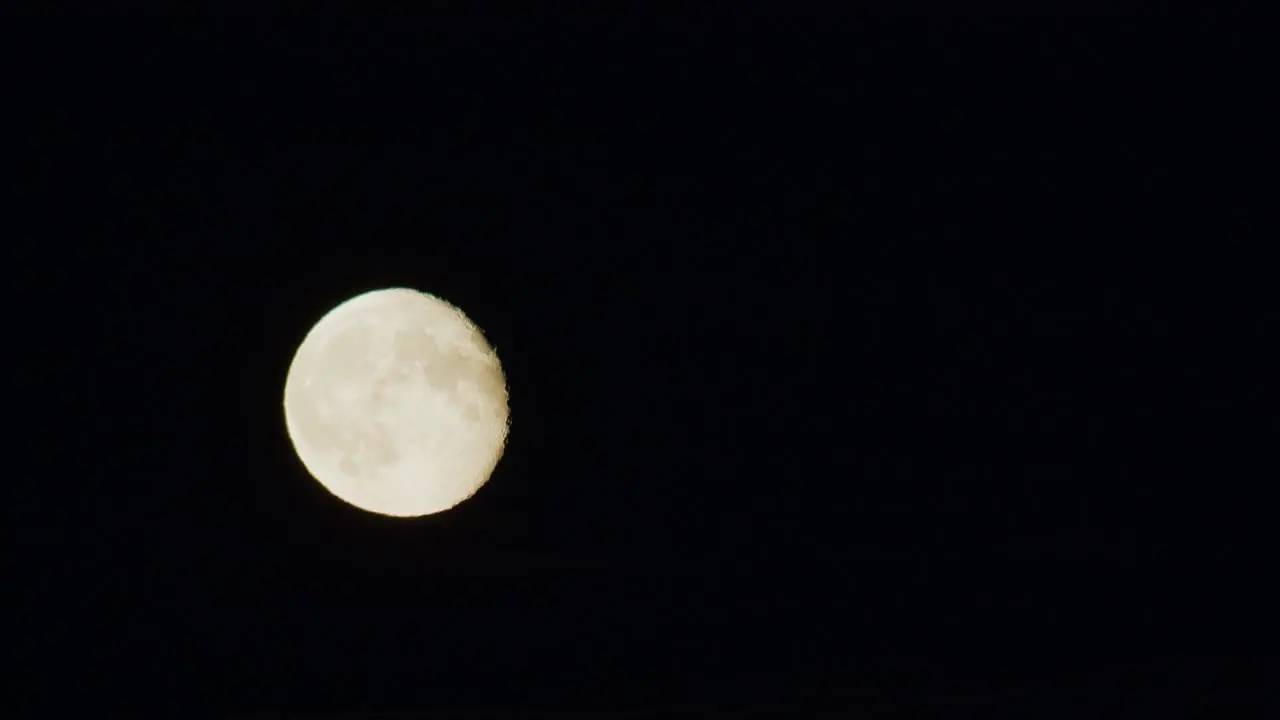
x: 396, y: 403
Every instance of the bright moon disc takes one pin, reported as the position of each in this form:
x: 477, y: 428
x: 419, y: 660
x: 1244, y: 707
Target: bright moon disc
x: 396, y: 403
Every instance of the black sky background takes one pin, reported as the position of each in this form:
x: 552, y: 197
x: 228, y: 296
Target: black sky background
x: 925, y: 361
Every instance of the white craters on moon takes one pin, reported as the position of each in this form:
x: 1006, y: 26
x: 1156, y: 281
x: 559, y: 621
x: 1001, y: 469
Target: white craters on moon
x: 396, y: 403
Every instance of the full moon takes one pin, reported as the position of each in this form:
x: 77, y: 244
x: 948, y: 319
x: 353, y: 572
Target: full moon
x: 396, y: 404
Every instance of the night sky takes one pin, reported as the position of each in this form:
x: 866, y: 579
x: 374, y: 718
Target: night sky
x: 852, y: 363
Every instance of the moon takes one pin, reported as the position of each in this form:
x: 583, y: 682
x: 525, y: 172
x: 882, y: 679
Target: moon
x: 396, y: 403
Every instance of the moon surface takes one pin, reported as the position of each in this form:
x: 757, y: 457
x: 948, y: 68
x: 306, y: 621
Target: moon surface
x: 396, y: 404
